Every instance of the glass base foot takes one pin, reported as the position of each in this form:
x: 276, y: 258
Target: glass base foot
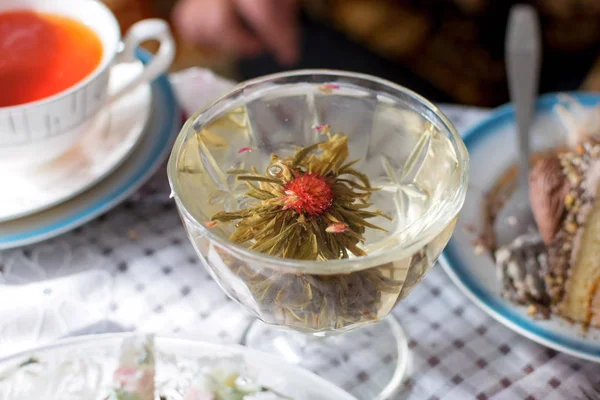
x: 370, y: 363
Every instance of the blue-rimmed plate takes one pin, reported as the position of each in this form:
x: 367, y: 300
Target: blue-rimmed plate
x: 140, y: 165
x: 491, y: 146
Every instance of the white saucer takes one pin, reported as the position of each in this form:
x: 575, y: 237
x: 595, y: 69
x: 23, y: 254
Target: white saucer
x: 115, y: 134
x: 155, y: 144
x: 491, y: 146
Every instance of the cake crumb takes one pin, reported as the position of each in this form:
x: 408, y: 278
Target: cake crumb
x: 132, y: 234
x: 469, y: 228
x: 479, y: 249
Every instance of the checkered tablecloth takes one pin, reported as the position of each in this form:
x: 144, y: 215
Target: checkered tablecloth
x: 134, y: 269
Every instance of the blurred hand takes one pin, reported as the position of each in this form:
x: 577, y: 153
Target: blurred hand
x: 243, y: 27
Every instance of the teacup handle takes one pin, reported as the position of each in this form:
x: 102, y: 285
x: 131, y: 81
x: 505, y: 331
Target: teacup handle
x: 149, y: 29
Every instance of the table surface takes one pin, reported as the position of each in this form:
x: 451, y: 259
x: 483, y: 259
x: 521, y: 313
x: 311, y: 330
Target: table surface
x: 133, y: 269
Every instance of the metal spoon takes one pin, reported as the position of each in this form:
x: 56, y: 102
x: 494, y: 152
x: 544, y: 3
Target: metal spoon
x: 523, y: 53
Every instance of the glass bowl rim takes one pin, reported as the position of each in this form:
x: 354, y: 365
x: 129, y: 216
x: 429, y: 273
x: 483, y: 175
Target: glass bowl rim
x: 344, y: 265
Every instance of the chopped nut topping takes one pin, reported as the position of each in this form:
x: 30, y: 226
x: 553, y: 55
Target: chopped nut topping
x: 571, y: 227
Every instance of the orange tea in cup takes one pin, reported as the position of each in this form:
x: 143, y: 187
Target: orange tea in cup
x: 43, y: 54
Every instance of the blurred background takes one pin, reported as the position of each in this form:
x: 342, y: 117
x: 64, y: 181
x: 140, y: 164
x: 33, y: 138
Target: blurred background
x: 447, y: 50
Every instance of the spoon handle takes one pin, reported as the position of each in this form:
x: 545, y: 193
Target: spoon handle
x: 523, y: 57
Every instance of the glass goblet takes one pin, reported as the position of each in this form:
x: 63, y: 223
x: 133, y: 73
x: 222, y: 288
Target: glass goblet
x: 310, y: 311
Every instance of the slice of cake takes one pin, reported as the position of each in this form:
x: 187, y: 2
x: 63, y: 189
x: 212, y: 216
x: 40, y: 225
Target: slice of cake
x: 557, y: 270
x: 567, y: 211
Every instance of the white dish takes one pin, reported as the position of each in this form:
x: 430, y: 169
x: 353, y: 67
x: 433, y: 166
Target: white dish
x: 491, y: 147
x: 111, y: 139
x: 138, y: 167
x: 83, y: 368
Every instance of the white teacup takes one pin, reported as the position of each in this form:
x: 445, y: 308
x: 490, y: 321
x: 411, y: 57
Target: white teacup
x: 42, y: 130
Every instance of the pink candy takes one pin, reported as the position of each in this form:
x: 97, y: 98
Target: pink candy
x: 328, y: 87
x: 338, y: 227
x: 244, y: 149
